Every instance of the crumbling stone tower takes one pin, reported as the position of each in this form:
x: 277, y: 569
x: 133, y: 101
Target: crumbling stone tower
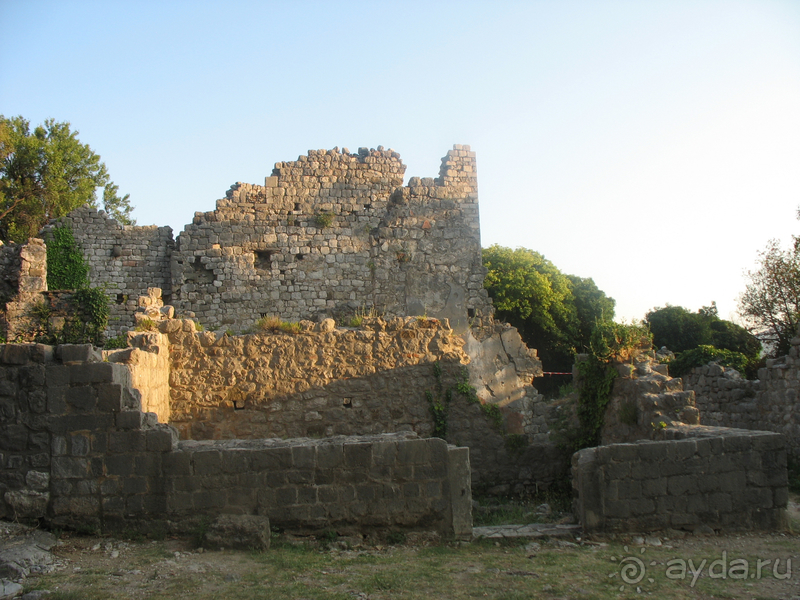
x: 326, y: 235
x: 332, y: 233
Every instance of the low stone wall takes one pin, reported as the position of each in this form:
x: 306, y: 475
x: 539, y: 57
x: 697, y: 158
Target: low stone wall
x: 771, y: 403
x: 327, y: 381
x: 714, y: 477
x: 76, y: 450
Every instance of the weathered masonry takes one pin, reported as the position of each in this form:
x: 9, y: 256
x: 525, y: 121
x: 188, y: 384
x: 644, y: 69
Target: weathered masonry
x: 709, y: 477
x: 78, y: 451
x: 327, y: 235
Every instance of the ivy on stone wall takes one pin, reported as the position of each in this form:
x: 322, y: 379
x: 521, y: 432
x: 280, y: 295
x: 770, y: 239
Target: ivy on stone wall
x: 439, y: 402
x: 66, y: 267
x: 86, y: 317
x: 610, y: 343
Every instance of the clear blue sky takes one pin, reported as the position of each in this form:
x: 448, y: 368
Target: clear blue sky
x: 653, y: 146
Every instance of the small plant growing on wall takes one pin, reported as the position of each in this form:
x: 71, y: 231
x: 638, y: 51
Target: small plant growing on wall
x: 146, y: 325
x: 439, y: 402
x: 274, y: 325
x: 610, y: 342
x: 323, y: 220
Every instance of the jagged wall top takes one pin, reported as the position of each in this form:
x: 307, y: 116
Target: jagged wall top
x: 326, y: 235
x: 334, y: 232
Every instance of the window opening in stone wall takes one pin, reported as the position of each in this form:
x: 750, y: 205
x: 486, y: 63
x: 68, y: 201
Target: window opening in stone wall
x: 202, y: 274
x: 300, y: 256
x: 263, y: 259
x: 297, y: 206
x: 471, y: 313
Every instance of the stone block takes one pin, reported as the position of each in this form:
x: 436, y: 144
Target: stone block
x: 329, y: 456
x: 209, y: 499
x: 27, y: 504
x: 301, y: 477
x: 176, y: 464
x: 37, y: 461
x: 15, y: 354
x: 99, y: 372
x: 737, y: 443
x: 82, y: 398
x: 758, y: 497
x: 304, y: 457
x: 207, y: 463
x: 109, y: 397
x: 78, y: 353
x: 162, y: 439
x: 654, y: 487
x: 37, y: 480
x: 306, y: 494
x: 56, y: 400
x: 679, y: 485
x: 79, y: 444
x: 127, y: 420
x: 127, y: 442
x: 234, y: 461
x: 13, y: 437
x: 286, y: 496
x: 113, y: 506
x: 68, y: 467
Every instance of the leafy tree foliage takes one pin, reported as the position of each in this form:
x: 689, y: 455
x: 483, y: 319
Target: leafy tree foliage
x: 702, y: 355
x: 679, y: 329
x: 554, y: 313
x: 47, y: 172
x: 771, y: 300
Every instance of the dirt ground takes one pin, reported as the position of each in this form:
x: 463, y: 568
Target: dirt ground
x: 727, y: 565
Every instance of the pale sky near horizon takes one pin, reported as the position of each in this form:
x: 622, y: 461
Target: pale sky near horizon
x: 653, y: 146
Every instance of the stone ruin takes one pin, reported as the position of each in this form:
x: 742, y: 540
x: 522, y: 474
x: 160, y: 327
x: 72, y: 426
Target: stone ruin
x: 331, y: 426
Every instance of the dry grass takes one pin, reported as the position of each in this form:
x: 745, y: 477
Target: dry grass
x: 345, y: 570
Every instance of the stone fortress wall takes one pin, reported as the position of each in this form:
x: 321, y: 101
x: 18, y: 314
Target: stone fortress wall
x: 330, y: 234
x: 329, y: 381
x: 770, y: 403
x: 77, y: 450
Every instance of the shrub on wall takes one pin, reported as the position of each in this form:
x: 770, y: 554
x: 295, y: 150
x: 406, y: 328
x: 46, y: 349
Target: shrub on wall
x: 66, y: 268
x: 610, y: 343
x: 86, y: 318
x: 702, y: 355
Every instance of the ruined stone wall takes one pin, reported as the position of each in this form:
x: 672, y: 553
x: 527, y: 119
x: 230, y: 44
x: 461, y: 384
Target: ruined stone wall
x: 380, y: 377
x: 124, y: 260
x: 771, y: 403
x: 77, y: 450
x: 713, y: 477
x: 332, y: 233
x: 323, y: 381
x: 10, y: 264
x: 24, y: 272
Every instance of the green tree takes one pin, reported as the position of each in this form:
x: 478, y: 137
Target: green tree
x: 46, y: 173
x: 771, y: 301
x: 591, y: 305
x: 554, y: 313
x: 679, y: 329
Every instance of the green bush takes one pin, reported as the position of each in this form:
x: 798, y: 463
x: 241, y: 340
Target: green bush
x: 66, y: 268
x: 702, y: 355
